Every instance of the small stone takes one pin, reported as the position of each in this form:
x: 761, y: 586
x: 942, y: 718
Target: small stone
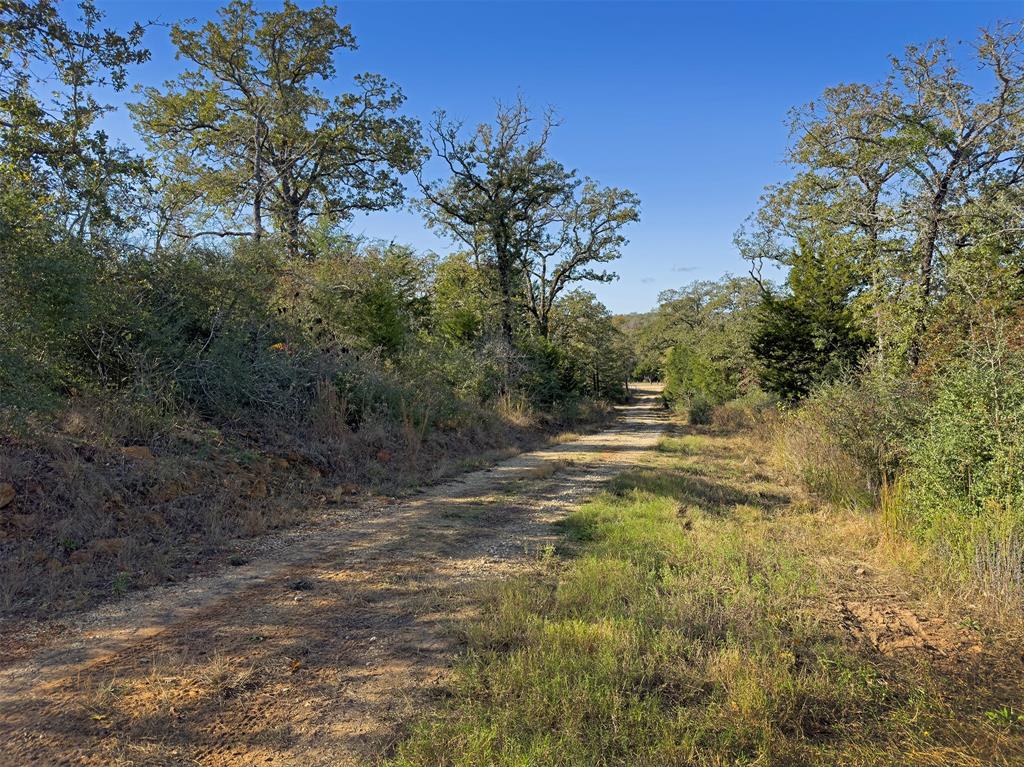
x: 7, y: 493
x: 138, y: 453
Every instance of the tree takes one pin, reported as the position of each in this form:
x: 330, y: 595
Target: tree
x: 915, y: 176
x: 809, y: 336
x: 501, y: 182
x: 522, y: 215
x: 566, y: 245
x: 67, y: 197
x: 50, y: 145
x: 595, y: 356
x: 705, y: 330
x: 249, y: 134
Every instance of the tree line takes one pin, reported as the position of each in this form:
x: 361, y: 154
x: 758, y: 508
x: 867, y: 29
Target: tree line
x: 895, y: 343
x: 212, y: 271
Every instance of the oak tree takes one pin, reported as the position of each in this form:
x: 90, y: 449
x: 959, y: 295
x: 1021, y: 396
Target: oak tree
x: 249, y: 133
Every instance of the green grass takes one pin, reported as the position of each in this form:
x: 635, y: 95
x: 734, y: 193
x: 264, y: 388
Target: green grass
x: 675, y: 635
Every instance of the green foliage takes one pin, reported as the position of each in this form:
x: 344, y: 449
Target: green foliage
x: 532, y: 227
x: 962, y: 491
x: 847, y: 439
x: 809, y: 336
x: 249, y: 133
x: 705, y: 333
x: 700, y: 410
x: 251, y: 145
x: 52, y: 73
x: 595, y: 357
x: 375, y: 294
x: 753, y: 410
x: 462, y: 301
x: 900, y: 230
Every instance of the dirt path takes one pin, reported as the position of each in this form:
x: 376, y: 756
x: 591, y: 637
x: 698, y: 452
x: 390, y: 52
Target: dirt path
x: 314, y: 653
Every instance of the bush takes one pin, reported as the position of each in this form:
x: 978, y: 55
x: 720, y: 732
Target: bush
x: 843, y: 442
x: 699, y: 410
x: 744, y: 412
x: 962, y: 492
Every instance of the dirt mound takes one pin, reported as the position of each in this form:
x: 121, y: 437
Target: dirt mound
x: 890, y: 628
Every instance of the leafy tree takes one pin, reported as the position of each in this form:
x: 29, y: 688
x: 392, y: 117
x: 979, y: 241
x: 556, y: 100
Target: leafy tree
x: 248, y: 133
x: 366, y: 296
x: 570, y: 241
x: 501, y: 182
x: 462, y: 301
x: 596, y: 358
x: 706, y: 329
x: 525, y: 219
x: 915, y: 176
x: 811, y: 335
x: 67, y: 198
x: 50, y: 74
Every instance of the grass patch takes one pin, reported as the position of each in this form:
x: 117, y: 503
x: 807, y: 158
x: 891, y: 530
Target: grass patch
x: 681, y: 633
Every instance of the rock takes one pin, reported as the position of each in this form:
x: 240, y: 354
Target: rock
x: 25, y: 522
x: 138, y: 453
x: 7, y: 493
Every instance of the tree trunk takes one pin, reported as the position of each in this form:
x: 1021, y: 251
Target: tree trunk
x: 504, y: 262
x: 926, y: 262
x: 293, y: 230
x: 257, y: 202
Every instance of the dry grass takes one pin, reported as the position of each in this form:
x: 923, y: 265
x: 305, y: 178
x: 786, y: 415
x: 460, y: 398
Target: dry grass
x: 694, y: 626
x: 107, y: 501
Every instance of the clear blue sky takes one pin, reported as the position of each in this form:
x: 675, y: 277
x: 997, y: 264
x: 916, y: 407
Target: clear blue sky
x: 684, y: 103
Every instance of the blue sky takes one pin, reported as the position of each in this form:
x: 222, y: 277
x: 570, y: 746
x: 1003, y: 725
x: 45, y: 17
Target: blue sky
x: 684, y: 103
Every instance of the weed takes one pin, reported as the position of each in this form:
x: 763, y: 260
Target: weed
x: 121, y: 584
x: 1005, y: 718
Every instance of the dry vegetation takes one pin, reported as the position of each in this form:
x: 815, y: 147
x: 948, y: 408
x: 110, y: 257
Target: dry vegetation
x: 99, y: 507
x: 706, y: 614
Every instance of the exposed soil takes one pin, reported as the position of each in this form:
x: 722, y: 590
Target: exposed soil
x: 317, y: 649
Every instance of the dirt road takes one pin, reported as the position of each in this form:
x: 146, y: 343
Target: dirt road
x: 317, y: 651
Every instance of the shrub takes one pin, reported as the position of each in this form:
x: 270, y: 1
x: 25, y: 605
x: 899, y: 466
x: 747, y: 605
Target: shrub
x: 700, y: 410
x: 962, y: 493
x: 744, y: 412
x: 844, y: 441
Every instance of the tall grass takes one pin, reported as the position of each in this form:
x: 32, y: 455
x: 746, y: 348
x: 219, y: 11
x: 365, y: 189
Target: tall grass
x: 844, y: 441
x: 682, y: 633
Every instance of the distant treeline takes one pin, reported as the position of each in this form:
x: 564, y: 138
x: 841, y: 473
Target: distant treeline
x: 212, y: 273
